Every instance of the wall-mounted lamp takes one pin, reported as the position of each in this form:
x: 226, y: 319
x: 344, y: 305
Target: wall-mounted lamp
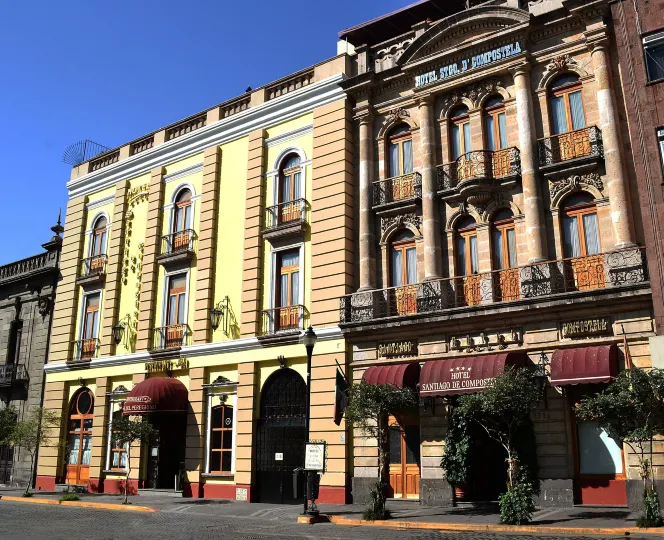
x: 219, y: 315
x: 119, y: 329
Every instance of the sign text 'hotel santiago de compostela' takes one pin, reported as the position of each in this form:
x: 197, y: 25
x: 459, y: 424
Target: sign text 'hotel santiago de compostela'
x: 470, y: 63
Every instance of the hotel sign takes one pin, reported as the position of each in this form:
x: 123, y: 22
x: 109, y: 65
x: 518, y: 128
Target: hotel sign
x: 469, y: 63
x: 166, y: 365
x: 587, y: 327
x: 397, y: 349
x: 459, y: 380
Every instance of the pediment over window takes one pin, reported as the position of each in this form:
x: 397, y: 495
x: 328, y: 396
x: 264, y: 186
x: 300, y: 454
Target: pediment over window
x: 464, y: 27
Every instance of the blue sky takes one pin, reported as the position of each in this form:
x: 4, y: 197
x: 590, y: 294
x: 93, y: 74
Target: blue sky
x: 113, y: 71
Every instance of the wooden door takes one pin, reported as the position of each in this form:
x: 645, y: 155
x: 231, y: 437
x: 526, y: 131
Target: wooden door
x: 404, y: 468
x: 404, y: 273
x: 288, y: 291
x: 507, y: 285
x: 468, y: 268
x: 79, y: 438
x: 289, y: 191
x: 582, y: 243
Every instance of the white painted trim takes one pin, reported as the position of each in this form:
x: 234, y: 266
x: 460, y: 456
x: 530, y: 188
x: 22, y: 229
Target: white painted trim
x: 277, y: 167
x: 213, y: 392
x: 282, y: 109
x: 89, y: 232
x: 92, y: 205
x: 289, y: 136
x: 205, y: 349
x: 176, y: 175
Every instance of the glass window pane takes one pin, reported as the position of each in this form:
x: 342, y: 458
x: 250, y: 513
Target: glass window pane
x: 187, y: 217
x: 102, y: 243
x: 215, y: 461
x: 217, y: 417
x: 178, y: 282
x: 115, y: 460
x: 576, y: 106
x: 283, y: 293
x: 83, y: 403
x: 655, y: 61
x: 412, y: 444
x: 290, y: 258
x: 497, y: 250
x: 591, y: 233
x: 87, y: 447
x: 456, y: 142
x: 216, y: 439
x: 228, y: 417
x: 490, y: 133
x: 73, y: 444
x: 395, y: 168
x: 502, y: 128
x: 123, y: 459
x: 466, y: 138
x: 295, y: 289
x: 226, y: 461
x: 286, y: 189
x: 411, y: 265
x: 296, y: 186
x: 397, y: 268
x: 461, y: 257
x: 87, y: 424
x: 511, y: 247
x: 181, y: 308
x: 558, y: 115
x: 571, y: 244
x: 474, y: 260
x: 227, y: 440
x: 93, y: 302
x: 74, y: 425
x: 407, y: 157
x: 598, y: 453
x: 395, y: 445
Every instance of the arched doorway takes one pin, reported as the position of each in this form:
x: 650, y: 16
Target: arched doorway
x: 280, y: 436
x: 79, y: 436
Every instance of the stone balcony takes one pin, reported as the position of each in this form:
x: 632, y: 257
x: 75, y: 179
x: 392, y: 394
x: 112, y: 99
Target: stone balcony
x: 571, y: 153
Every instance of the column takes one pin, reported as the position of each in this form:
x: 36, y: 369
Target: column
x: 99, y: 428
x: 194, y: 463
x: 367, y: 260
x: 613, y: 159
x: 430, y: 215
x: 532, y: 196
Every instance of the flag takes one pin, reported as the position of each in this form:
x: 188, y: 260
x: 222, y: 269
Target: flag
x: 340, y: 398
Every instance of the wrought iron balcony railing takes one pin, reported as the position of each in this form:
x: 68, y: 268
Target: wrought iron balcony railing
x: 602, y: 271
x: 479, y: 165
x: 285, y: 319
x: 585, y: 142
x: 399, y: 188
x: 93, y: 266
x: 85, y: 349
x: 285, y: 213
x: 171, y: 337
x: 11, y: 373
x: 178, y: 242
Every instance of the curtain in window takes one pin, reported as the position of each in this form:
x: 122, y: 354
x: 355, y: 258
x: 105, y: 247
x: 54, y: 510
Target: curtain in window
x: 172, y: 302
x: 74, y: 442
x: 490, y: 133
x: 576, y: 106
x: 290, y: 259
x: 395, y: 168
x: 87, y: 446
x: 296, y: 186
x: 461, y: 256
x: 511, y: 247
x: 407, y: 157
x: 411, y: 265
x: 466, y: 137
x: 295, y: 288
x: 655, y: 62
x: 558, y: 115
x: 571, y: 237
x: 474, y: 260
x: 591, y: 232
x: 456, y: 142
x: 283, y: 291
x: 397, y: 263
x: 286, y: 189
x: 502, y: 127
x: 181, y: 301
x: 497, y: 250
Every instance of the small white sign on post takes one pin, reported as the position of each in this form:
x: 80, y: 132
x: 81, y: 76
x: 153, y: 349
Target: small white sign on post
x: 278, y: 456
x: 314, y: 456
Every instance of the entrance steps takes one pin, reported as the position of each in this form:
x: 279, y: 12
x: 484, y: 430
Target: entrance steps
x: 159, y: 493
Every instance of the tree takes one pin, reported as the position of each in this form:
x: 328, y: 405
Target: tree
x: 33, y: 432
x: 8, y: 417
x: 369, y: 406
x: 126, y: 432
x: 631, y: 410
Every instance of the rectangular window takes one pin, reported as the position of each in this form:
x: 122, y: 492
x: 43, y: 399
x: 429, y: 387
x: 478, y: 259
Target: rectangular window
x: 14, y: 345
x: 289, y: 278
x: 177, y: 296
x: 653, y: 49
x: 118, y: 452
x: 91, y: 320
x: 660, y: 141
x: 221, y: 440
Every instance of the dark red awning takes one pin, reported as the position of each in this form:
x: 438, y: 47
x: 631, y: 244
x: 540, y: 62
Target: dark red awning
x: 465, y: 375
x: 399, y: 375
x: 583, y: 365
x: 156, y: 395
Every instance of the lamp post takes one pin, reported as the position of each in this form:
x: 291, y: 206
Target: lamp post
x: 309, y: 340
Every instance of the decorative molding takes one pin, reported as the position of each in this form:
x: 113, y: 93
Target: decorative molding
x: 559, y: 64
x: 44, y: 305
x: 289, y: 136
x: 475, y: 94
x: 176, y: 175
x: 397, y: 114
x: 575, y: 183
x: 281, y: 109
x: 100, y: 202
x: 394, y: 222
x: 188, y: 351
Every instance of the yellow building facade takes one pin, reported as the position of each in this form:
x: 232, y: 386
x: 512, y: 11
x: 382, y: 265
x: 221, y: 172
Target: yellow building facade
x: 193, y: 259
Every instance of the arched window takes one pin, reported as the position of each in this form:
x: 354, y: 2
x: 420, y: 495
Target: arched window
x: 182, y: 215
x: 400, y: 151
x: 566, y: 102
x: 466, y: 242
x: 503, y: 240
x: 580, y: 226
x: 79, y: 436
x: 460, y: 131
x: 98, y: 246
x: 404, y: 259
x: 495, y: 123
x: 290, y: 176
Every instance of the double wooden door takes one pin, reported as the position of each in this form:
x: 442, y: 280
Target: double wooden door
x: 79, y: 437
x: 404, y: 468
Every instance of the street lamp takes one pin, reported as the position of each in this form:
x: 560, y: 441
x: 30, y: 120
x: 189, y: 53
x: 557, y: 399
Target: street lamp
x: 309, y: 339
x: 216, y: 314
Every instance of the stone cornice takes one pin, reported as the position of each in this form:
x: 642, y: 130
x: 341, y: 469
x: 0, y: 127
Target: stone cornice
x: 275, y: 111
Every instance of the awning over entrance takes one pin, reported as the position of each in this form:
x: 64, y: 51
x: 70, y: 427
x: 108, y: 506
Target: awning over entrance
x: 584, y: 365
x: 156, y: 395
x: 399, y: 375
x: 465, y: 375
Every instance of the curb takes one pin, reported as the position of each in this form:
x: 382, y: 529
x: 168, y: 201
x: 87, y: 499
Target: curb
x: 81, y: 504
x: 483, y: 527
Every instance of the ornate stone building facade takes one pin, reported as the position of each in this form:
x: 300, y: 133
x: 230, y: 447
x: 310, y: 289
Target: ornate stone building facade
x: 27, y: 295
x: 496, y: 225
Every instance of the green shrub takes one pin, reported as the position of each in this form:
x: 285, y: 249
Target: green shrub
x: 376, y: 510
x: 516, y: 504
x: 26, y: 494
x: 651, y: 516
x: 70, y: 497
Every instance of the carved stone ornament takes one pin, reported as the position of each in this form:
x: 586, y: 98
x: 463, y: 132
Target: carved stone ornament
x: 120, y: 389
x: 560, y: 63
x: 575, y: 183
x: 474, y: 92
x: 221, y: 380
x: 481, y: 201
x: 397, y: 114
x: 399, y: 221
x: 44, y: 305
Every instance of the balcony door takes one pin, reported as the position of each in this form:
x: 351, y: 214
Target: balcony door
x: 98, y: 245
x: 182, y: 221
x: 289, y: 189
x: 90, y: 327
x: 287, y: 316
x: 79, y: 437
x: 584, y: 267
x: 503, y: 247
x: 176, y: 311
x: 568, y: 115
x: 467, y: 261
x: 404, y: 272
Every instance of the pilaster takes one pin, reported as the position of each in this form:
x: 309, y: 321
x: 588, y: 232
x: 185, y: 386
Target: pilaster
x: 245, y: 436
x: 98, y: 450
x: 367, y: 240
x: 195, y: 430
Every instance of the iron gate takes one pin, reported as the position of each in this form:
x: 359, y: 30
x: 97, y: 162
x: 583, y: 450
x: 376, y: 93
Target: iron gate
x: 280, y: 437
x: 6, y: 464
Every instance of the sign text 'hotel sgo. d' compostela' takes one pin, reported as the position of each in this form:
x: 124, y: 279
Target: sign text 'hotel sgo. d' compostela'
x: 466, y: 64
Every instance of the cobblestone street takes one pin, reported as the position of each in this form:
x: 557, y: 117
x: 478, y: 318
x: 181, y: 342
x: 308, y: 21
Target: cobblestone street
x: 20, y: 521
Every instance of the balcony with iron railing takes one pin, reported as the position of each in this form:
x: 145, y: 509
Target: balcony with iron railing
x: 479, y: 168
x: 171, y: 337
x: 580, y: 148
x: 177, y: 247
x: 85, y: 349
x: 399, y: 192
x: 566, y: 278
x: 285, y: 219
x: 93, y: 270
x: 11, y: 374
x: 287, y: 321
